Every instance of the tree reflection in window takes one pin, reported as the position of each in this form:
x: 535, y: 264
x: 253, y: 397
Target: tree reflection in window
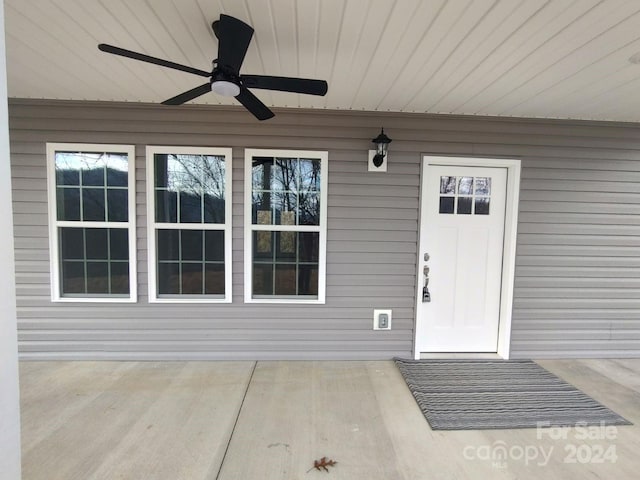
x: 286, y: 193
x: 189, y: 188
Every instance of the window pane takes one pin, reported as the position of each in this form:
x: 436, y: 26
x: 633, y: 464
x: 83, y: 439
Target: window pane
x: 448, y: 186
x: 117, y: 170
x: 309, y: 244
x: 120, y: 278
x: 286, y: 251
x: 309, y: 209
x: 214, y: 246
x: 465, y: 186
x: 161, y: 163
x: 285, y: 280
x: 192, y: 281
x: 68, y: 204
x: 446, y: 204
x: 191, y: 244
x: 97, y: 246
x: 261, y: 173
x: 93, y: 204
x: 67, y: 175
x: 483, y: 186
x: 117, y: 205
x: 168, y: 278
x: 284, y: 174
x: 464, y: 205
x: 190, y: 207
x: 71, y: 243
x: 94, y: 260
x: 214, y: 188
x: 308, y: 280
x: 214, y: 279
x: 166, y: 206
x: 72, y: 277
x: 97, y: 277
x: 482, y: 206
x: 262, y: 279
x: 213, y: 209
x: 93, y: 175
x: 119, y: 242
x: 263, y: 245
x: 309, y: 174
x: 168, y: 244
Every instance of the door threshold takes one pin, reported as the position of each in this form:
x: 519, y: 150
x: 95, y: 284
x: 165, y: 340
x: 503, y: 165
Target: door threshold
x: 463, y: 356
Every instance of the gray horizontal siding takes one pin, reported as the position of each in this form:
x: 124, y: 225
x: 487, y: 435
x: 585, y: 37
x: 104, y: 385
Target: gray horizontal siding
x: 578, y: 255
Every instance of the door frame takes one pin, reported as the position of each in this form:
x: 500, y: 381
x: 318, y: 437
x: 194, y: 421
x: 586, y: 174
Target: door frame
x: 513, y: 167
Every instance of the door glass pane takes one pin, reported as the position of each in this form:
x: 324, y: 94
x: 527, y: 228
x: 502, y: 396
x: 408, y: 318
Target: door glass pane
x: 448, y: 185
x: 465, y: 186
x: 482, y: 206
x: 446, y: 204
x: 464, y: 205
x: 483, y: 186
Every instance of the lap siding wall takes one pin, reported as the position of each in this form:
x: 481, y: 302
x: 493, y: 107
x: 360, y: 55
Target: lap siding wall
x: 577, y: 288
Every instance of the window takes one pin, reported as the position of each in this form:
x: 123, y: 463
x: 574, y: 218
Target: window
x: 285, y: 226
x: 189, y: 220
x: 465, y: 195
x: 92, y: 222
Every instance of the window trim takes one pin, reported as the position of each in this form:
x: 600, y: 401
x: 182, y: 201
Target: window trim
x: 249, y: 228
x: 152, y: 225
x: 54, y: 223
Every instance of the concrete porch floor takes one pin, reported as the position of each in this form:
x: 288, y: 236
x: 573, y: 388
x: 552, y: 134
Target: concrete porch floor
x: 271, y: 420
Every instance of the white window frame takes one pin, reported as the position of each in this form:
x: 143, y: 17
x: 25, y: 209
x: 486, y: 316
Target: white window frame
x: 152, y: 225
x: 54, y: 223
x: 249, y: 228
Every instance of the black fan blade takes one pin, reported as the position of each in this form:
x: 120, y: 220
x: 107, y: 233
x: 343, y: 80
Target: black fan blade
x: 146, y: 58
x: 188, y: 95
x: 215, y: 26
x: 285, y: 84
x: 234, y: 37
x: 253, y: 104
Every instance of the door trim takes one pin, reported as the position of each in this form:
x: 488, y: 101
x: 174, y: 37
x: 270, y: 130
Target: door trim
x: 513, y: 167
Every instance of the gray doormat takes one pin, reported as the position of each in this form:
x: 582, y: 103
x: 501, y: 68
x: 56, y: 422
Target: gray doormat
x: 493, y: 394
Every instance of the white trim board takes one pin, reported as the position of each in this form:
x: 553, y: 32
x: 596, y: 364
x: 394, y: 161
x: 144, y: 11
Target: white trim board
x: 152, y: 225
x: 54, y: 259
x: 513, y: 167
x: 323, y: 156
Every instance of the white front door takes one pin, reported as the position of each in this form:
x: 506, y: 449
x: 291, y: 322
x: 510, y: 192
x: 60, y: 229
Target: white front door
x: 462, y: 241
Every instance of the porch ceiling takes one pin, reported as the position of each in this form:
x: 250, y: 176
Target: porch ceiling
x: 524, y: 58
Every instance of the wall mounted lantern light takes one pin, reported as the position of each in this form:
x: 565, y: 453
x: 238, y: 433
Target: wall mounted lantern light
x: 382, y: 144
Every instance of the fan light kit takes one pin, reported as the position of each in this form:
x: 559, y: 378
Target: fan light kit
x: 234, y: 37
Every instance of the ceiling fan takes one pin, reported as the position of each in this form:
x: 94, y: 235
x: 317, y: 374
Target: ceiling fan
x: 225, y: 79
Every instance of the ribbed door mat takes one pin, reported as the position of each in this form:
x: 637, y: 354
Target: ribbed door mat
x: 494, y: 394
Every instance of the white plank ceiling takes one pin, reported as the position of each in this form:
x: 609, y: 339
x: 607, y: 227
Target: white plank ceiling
x: 522, y: 58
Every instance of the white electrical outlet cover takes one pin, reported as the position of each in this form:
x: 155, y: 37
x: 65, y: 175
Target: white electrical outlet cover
x: 376, y: 314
